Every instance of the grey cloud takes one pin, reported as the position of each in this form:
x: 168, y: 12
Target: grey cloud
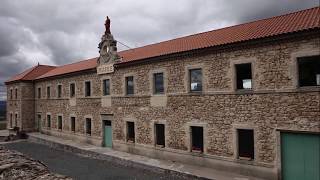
x: 60, y: 32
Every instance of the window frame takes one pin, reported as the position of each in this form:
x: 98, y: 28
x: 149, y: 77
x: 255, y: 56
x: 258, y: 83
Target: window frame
x: 156, y: 136
x: 298, y: 61
x: 73, y: 125
x: 238, y: 144
x: 72, y: 94
x: 190, y: 79
x: 130, y: 139
x: 59, y: 122
x: 59, y: 91
x: 48, y: 118
x: 86, y: 88
x: 39, y: 92
x: 154, y: 86
x: 88, y: 130
x: 236, y: 76
x: 16, y: 93
x: 11, y: 93
x: 126, y: 85
x: 104, y: 87
x: 48, y: 92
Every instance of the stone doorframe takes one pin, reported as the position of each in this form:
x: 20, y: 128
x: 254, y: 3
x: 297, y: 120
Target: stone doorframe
x: 103, y: 118
x: 189, y: 138
x: 153, y: 132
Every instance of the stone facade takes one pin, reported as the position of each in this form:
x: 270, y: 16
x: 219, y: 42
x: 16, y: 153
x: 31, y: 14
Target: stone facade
x: 275, y: 103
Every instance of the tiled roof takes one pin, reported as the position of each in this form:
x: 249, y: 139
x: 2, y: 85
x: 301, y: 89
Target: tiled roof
x: 31, y: 73
x: 294, y: 22
x: 71, y: 68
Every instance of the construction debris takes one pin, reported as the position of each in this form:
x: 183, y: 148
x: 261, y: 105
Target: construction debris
x: 16, y: 166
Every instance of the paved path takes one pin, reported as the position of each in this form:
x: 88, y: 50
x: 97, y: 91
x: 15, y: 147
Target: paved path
x: 84, y: 168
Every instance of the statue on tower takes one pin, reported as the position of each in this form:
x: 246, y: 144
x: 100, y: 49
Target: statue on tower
x: 107, y: 26
x: 107, y: 49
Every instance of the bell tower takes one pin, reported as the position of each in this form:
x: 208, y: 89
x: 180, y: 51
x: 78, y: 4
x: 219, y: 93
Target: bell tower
x: 108, y: 51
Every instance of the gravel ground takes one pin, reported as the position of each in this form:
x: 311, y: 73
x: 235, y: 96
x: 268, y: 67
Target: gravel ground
x: 84, y: 168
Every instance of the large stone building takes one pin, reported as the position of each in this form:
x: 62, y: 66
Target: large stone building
x: 244, y: 98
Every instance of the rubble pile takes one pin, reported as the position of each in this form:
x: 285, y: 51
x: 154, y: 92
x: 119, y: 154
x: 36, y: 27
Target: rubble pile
x: 14, y: 165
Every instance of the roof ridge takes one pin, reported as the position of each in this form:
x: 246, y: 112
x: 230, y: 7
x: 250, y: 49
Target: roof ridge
x: 273, y: 17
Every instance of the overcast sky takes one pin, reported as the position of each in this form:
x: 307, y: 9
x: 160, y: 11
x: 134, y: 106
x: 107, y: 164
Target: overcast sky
x: 63, y: 31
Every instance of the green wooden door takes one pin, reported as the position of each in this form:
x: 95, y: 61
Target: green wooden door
x: 107, y: 136
x: 300, y: 156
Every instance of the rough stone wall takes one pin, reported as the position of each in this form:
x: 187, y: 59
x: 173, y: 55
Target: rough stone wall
x: 274, y: 103
x: 13, y: 104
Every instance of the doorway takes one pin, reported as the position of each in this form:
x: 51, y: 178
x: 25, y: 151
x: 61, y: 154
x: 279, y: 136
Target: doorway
x: 107, y: 138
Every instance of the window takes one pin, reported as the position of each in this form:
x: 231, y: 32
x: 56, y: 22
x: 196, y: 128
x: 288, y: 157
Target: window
x: 197, y: 139
x: 48, y: 92
x: 48, y: 121
x: 73, y: 124
x: 87, y: 88
x: 72, y: 89
x: 309, y: 71
x: 39, y: 93
x: 160, y: 135
x: 88, y: 126
x: 245, y: 144
x: 11, y: 96
x: 16, y: 93
x: 195, y: 79
x: 16, y: 120
x: 244, y: 76
x: 130, y: 132
x: 106, y: 87
x: 11, y: 119
x: 129, y: 85
x: 158, y: 83
x: 59, y: 90
x: 60, y: 122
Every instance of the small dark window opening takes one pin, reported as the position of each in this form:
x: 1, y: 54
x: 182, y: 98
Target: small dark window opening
x: 195, y: 78
x: 16, y: 120
x: 11, y: 94
x: 16, y: 93
x: 48, y: 121
x: 73, y: 124
x: 48, y: 92
x: 244, y: 76
x: 197, y: 138
x: 309, y: 71
x: 39, y: 93
x: 106, y: 87
x: 60, y: 122
x: 88, y: 126
x: 59, y: 91
x: 129, y: 85
x: 158, y: 83
x: 160, y: 135
x: 10, y: 120
x: 72, y: 90
x: 130, y: 132
x: 88, y: 88
x: 245, y: 144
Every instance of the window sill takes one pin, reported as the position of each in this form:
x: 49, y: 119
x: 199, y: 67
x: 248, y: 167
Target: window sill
x: 307, y: 88
x: 244, y: 91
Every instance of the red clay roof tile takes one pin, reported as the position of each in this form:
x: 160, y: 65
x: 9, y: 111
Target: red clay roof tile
x: 289, y: 23
x: 70, y: 68
x: 31, y: 73
x: 293, y: 22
